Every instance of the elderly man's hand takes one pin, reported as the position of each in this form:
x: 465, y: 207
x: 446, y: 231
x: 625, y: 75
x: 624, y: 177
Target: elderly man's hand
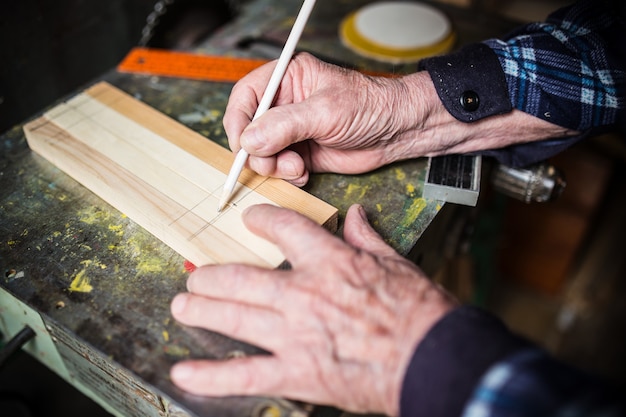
x: 341, y: 325
x: 329, y: 119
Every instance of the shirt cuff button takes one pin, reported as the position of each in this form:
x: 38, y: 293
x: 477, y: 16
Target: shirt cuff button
x: 469, y: 100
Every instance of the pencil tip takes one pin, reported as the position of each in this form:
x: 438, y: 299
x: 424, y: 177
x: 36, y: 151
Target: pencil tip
x: 222, y: 204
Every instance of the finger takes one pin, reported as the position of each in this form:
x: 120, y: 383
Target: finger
x: 358, y: 233
x: 287, y: 165
x: 301, y: 240
x: 265, y: 166
x: 243, y: 102
x: 235, y: 121
x: 302, y: 181
x: 279, y: 127
x: 252, y: 324
x: 257, y: 375
x: 240, y: 283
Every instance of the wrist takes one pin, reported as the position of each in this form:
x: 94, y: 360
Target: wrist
x: 429, y: 129
x: 414, y: 114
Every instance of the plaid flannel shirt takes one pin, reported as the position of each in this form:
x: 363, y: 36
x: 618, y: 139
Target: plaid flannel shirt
x: 531, y: 383
x: 568, y: 70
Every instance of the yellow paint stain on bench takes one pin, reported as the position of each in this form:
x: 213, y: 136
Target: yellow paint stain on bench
x: 81, y: 283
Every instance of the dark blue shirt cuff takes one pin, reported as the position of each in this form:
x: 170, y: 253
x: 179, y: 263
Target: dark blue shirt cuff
x: 470, y: 82
x: 472, y: 86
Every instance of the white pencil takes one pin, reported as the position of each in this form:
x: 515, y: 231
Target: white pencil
x: 268, y: 95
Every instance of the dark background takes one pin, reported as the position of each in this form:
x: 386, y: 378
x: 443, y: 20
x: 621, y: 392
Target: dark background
x: 50, y: 48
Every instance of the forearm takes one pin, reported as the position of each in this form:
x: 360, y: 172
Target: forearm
x: 568, y: 72
x: 430, y: 128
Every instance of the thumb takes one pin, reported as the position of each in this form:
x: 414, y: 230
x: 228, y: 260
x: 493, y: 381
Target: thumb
x: 278, y: 128
x: 358, y: 233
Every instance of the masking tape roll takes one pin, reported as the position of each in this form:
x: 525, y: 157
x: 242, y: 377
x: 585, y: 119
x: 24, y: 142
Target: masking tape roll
x: 397, y: 32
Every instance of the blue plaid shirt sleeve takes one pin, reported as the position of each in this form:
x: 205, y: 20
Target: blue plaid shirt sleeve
x: 469, y: 364
x: 532, y: 383
x: 568, y: 70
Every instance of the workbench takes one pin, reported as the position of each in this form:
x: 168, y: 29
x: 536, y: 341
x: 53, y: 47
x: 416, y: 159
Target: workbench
x: 96, y: 287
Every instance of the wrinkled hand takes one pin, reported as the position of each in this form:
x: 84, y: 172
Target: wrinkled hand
x: 324, y: 118
x: 329, y: 119
x: 342, y: 324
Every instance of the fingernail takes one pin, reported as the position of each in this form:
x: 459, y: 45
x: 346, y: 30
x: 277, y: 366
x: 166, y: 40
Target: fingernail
x: 292, y: 170
x: 190, y: 279
x: 178, y: 304
x: 299, y: 182
x: 362, y: 212
x: 181, y: 372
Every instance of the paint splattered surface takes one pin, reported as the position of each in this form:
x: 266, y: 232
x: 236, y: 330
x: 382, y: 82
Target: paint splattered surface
x: 77, y: 260
x: 86, y: 266
x: 93, y: 272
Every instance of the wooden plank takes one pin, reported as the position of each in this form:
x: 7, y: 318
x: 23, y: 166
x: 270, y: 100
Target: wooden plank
x: 164, y: 176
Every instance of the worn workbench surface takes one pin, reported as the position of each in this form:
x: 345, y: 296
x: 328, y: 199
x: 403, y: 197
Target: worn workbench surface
x: 90, y: 271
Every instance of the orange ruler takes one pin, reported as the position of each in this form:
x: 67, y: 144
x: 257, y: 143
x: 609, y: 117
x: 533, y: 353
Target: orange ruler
x: 166, y: 63
x: 177, y: 64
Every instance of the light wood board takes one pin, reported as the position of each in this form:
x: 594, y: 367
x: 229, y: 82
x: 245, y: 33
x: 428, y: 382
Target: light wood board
x: 164, y: 176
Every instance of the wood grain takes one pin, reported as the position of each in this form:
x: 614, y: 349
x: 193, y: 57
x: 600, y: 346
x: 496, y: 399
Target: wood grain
x: 164, y: 176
